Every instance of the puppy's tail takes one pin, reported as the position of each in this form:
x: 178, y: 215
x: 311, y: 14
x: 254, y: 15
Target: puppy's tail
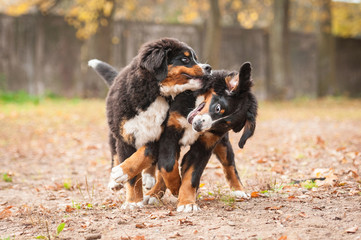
x: 104, y: 70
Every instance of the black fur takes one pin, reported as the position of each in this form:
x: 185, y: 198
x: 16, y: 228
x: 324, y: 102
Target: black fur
x: 137, y: 86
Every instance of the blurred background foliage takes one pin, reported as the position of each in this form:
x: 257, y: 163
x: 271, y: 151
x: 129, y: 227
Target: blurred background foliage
x: 88, y: 15
x: 324, y: 19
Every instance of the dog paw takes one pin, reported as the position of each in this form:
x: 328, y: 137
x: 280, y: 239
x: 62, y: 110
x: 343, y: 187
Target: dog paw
x: 148, y: 181
x: 240, y: 194
x: 132, y: 205
x: 188, y: 208
x: 118, y: 175
x: 150, y: 200
x: 114, y: 186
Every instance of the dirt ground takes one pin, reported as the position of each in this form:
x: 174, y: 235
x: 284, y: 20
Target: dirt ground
x: 54, y: 165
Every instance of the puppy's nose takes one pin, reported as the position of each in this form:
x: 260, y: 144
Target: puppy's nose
x: 197, y: 126
x: 207, y: 68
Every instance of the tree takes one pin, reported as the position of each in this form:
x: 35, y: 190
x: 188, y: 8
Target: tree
x: 213, y: 35
x: 280, y: 84
x: 325, y: 50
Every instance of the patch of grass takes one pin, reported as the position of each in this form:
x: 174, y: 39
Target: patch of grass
x: 19, y: 97
x: 7, y: 238
x: 22, y: 97
x: 67, y: 184
x: 309, y: 184
x: 75, y: 205
x: 228, y: 199
x: 7, y: 177
x: 59, y: 229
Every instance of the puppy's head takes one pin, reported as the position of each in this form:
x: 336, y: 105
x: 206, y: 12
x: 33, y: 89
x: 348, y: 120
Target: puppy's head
x: 228, y: 105
x: 174, y: 65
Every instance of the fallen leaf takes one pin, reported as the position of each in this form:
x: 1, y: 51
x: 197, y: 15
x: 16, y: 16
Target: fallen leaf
x: 302, y: 214
x: 5, y: 213
x: 273, y: 208
x: 255, y: 194
x: 278, y: 169
x: 283, y: 238
x: 138, y: 238
x: 352, y: 229
x: 320, y: 141
x: 140, y: 225
x: 209, y: 198
x: 185, y: 221
x: 177, y: 234
x: 69, y: 209
x: 171, y: 213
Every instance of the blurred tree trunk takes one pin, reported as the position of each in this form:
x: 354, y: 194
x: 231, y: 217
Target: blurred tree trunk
x: 280, y: 85
x: 325, y: 50
x: 101, y: 44
x: 213, y: 36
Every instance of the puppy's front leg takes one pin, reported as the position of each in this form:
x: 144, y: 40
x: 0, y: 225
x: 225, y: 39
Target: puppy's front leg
x: 225, y: 155
x: 193, y: 165
x: 143, y: 158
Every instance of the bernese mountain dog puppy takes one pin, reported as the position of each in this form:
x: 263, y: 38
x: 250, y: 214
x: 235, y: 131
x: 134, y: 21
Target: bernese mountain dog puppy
x: 225, y: 104
x: 137, y: 105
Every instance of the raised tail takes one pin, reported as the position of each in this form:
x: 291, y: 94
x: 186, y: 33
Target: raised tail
x: 104, y: 70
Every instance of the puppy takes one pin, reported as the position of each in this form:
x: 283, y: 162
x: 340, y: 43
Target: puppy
x: 225, y: 104
x: 137, y: 105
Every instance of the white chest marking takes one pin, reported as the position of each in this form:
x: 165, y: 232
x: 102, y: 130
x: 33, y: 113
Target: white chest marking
x: 174, y: 90
x: 146, y: 126
x: 189, y: 135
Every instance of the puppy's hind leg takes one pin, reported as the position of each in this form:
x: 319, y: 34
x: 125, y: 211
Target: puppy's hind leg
x: 225, y: 155
x: 156, y: 193
x: 134, y: 197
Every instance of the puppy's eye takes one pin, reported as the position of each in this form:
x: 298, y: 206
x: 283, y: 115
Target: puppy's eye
x: 218, y: 108
x: 185, y: 60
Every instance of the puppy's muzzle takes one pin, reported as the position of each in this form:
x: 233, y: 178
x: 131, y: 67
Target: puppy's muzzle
x: 207, y: 69
x: 202, y: 123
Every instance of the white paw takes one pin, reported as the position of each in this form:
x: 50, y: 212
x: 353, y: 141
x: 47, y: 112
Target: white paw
x: 240, y: 194
x: 150, y: 200
x: 114, y: 186
x: 132, y: 205
x: 118, y: 175
x: 148, y: 181
x: 188, y: 208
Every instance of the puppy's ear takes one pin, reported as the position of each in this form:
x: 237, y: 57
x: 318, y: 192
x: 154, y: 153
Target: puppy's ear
x: 248, y: 130
x: 244, y: 81
x: 155, y: 61
x: 250, y: 124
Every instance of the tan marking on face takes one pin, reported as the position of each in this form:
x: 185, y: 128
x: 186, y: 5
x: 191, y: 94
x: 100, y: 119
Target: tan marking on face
x: 207, y: 99
x: 209, y: 139
x: 175, y: 76
x: 128, y: 138
x: 172, y: 179
x: 229, y: 171
x: 173, y: 120
x: 187, y: 193
x: 135, y: 191
x: 136, y: 163
x: 187, y: 54
x: 232, y: 82
x: 159, y: 188
x: 222, y: 111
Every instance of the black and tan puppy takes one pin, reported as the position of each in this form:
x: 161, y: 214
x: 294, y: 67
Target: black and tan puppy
x: 138, y: 103
x: 225, y: 104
